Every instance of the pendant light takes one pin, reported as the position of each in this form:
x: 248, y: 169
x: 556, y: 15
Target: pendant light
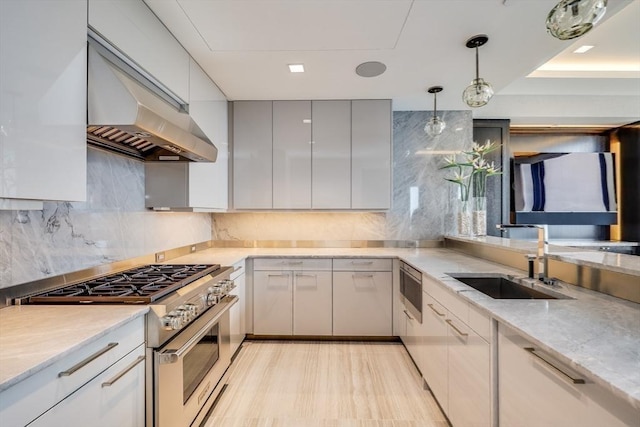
x: 479, y: 92
x: 572, y: 18
x: 435, y: 125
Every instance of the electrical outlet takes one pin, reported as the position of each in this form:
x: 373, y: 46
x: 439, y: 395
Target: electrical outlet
x: 193, y: 248
x: 159, y: 256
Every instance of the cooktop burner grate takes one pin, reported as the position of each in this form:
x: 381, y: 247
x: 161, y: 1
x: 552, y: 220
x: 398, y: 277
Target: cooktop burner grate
x: 139, y: 285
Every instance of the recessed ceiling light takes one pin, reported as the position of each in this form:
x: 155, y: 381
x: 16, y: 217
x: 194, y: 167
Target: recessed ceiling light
x: 583, y: 49
x: 296, y: 68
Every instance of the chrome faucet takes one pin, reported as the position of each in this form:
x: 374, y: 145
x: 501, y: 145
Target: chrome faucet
x: 543, y: 245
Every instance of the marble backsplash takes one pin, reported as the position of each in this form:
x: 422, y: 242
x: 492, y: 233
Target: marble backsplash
x: 423, y: 206
x: 112, y: 225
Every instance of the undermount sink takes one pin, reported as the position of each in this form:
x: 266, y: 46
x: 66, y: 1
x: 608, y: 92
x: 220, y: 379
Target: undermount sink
x: 500, y: 286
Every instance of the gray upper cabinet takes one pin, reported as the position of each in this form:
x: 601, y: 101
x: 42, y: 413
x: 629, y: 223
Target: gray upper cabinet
x: 331, y: 155
x: 312, y: 154
x: 252, y: 155
x: 371, y: 154
x: 292, y: 154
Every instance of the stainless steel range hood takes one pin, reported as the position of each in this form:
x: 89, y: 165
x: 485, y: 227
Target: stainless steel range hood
x: 129, y: 113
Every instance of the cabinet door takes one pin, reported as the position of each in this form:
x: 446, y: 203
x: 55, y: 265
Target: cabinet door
x: 362, y: 303
x: 534, y: 393
x: 113, y: 398
x: 237, y: 314
x: 292, y: 154
x: 43, y: 100
x: 469, y: 376
x: 252, y: 155
x: 371, y: 154
x: 272, y: 303
x: 435, y: 363
x: 136, y: 31
x: 331, y: 155
x: 412, y: 339
x: 312, y: 300
x: 209, y: 182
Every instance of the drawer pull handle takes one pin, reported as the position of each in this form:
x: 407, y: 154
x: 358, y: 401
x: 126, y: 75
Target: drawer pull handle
x: 278, y: 275
x: 237, y: 269
x: 88, y: 360
x: 539, y: 357
x: 362, y: 276
x: 123, y: 373
x: 361, y: 262
x: 410, y: 318
x: 435, y: 311
x: 458, y: 331
x: 293, y: 262
x: 315, y: 276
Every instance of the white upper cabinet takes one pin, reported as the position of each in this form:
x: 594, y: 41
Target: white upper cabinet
x: 331, y: 155
x: 252, y: 155
x: 136, y: 31
x: 371, y: 154
x: 292, y: 154
x: 42, y: 101
x: 209, y: 182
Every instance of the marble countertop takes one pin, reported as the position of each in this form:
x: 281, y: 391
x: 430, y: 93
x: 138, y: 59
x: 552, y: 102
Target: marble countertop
x: 36, y: 336
x: 622, y: 263
x: 594, y: 333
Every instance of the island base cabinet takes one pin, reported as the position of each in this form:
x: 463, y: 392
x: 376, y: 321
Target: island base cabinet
x: 435, y: 368
x: 362, y: 303
x: 113, y: 398
x: 469, y: 375
x: 540, y: 393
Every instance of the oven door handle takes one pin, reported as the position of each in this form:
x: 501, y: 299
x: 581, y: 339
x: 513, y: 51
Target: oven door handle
x: 169, y: 355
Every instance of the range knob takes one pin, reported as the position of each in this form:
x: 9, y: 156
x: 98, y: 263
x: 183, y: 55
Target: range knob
x: 192, y: 309
x: 172, y: 321
x: 184, y: 312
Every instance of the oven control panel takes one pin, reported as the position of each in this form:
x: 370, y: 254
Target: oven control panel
x: 187, y: 312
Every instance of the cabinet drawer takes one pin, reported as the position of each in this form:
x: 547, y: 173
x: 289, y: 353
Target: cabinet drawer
x: 28, y: 399
x: 480, y: 322
x: 362, y: 264
x: 447, y: 298
x: 317, y: 264
x: 238, y: 270
x: 113, y: 398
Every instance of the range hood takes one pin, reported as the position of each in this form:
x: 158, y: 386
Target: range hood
x: 129, y: 114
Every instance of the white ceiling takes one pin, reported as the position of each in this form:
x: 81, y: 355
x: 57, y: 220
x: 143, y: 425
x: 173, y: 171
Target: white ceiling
x: 246, y: 45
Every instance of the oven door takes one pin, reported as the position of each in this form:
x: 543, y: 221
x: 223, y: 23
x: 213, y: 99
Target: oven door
x: 188, y: 368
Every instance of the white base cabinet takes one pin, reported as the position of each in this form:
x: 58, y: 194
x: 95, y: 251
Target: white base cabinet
x: 292, y: 297
x: 237, y: 313
x: 362, y: 297
x: 101, y: 384
x: 113, y: 398
x: 457, y: 356
x: 539, y: 393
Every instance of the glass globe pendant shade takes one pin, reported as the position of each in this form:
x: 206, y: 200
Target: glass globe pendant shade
x: 572, y: 18
x: 478, y: 93
x: 434, y: 126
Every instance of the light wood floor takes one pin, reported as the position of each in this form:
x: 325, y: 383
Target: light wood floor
x: 325, y: 384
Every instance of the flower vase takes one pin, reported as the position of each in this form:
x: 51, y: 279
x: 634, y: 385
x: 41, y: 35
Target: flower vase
x: 479, y: 216
x: 464, y: 218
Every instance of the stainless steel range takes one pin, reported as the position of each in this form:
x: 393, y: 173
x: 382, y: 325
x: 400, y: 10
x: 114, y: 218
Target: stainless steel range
x: 187, y: 331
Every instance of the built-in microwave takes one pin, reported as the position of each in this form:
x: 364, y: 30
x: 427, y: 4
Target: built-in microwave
x: 411, y: 290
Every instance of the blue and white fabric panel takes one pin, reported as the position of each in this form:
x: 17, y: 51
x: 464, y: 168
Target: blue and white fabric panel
x: 573, y: 182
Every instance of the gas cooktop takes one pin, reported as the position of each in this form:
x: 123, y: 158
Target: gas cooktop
x: 139, y: 285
